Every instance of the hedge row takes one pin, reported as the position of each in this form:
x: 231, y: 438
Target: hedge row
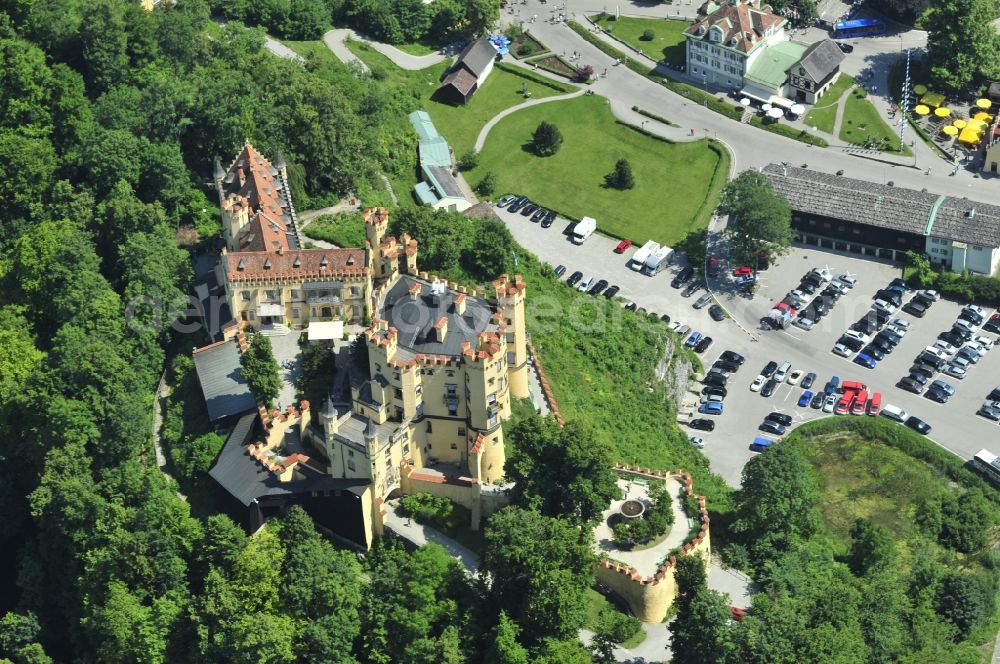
x: 654, y: 116
x: 534, y: 78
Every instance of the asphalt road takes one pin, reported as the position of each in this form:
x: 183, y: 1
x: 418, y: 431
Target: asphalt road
x: 955, y: 425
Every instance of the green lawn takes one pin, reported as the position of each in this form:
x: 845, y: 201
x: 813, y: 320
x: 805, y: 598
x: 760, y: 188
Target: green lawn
x: 668, y: 42
x: 417, y: 49
x: 862, y: 122
x: 823, y: 115
x: 672, y: 180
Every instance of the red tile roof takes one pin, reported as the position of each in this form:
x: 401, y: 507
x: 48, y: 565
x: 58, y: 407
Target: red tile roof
x: 742, y: 25
x: 260, y: 186
x: 314, y: 263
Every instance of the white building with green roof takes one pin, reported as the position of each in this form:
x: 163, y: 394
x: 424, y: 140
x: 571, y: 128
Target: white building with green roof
x: 440, y: 188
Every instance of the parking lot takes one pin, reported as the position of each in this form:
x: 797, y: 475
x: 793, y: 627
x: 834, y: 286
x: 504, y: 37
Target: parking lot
x: 955, y: 426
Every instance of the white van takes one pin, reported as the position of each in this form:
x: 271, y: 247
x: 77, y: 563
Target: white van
x: 585, y: 284
x: 782, y: 372
x: 895, y: 413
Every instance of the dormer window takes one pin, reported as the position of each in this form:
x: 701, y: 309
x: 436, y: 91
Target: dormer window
x: 715, y: 34
x: 701, y: 31
x: 324, y: 263
x: 297, y: 262
x: 350, y: 260
x: 241, y: 265
x: 732, y: 42
x: 267, y: 263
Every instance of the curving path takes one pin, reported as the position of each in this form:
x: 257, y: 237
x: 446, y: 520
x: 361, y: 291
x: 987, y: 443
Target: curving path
x: 334, y: 40
x: 485, y: 131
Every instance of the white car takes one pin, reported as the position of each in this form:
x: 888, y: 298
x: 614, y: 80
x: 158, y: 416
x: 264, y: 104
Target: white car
x: 975, y: 309
x: 847, y: 280
x: 954, y: 371
x: 675, y: 325
x: 822, y: 273
x: 985, y: 342
x: 945, y: 346
x: 804, y: 323
x: 901, y: 322
x: 842, y: 350
x: 857, y: 336
x: 830, y: 402
x: 709, y: 398
x: 798, y: 298
x: 795, y: 377
x: 839, y: 286
x: 758, y: 383
x: 586, y: 284
x: 697, y: 441
x: 884, y: 305
x: 932, y: 294
x: 896, y: 329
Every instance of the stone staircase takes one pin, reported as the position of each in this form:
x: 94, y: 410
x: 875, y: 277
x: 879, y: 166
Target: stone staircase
x: 274, y: 330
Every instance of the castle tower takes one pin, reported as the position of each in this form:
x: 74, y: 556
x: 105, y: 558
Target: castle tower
x: 510, y: 297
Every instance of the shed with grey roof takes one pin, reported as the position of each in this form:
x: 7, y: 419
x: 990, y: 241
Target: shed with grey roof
x: 815, y: 72
x: 225, y: 390
x: 469, y: 72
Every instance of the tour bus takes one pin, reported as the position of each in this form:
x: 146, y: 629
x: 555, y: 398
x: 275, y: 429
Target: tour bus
x: 859, y: 27
x: 844, y: 405
x: 860, y: 402
x: 988, y: 464
x: 875, y: 405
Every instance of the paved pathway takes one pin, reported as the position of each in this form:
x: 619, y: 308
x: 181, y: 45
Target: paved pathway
x: 280, y: 50
x: 159, y: 405
x: 485, y: 131
x: 419, y: 535
x: 334, y: 39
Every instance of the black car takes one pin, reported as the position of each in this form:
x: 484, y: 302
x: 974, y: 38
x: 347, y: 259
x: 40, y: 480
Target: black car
x: 889, y: 336
x: 718, y: 391
x: 883, y: 345
x: 874, y: 352
x: 812, y: 279
x: 611, y: 292
x: 918, y: 425
x: 923, y: 369
x: 631, y: 306
x: 962, y: 334
x: 846, y: 48
x: 915, y: 308
x: 923, y: 300
x: 889, y: 296
x: 528, y: 209
x: 910, y: 384
x: 703, y: 345
x: 808, y: 381
x: 716, y: 312
x: 865, y: 326
x: 539, y: 214
x: 817, y: 400
x: 665, y: 318
x: 920, y: 378
x: 971, y: 316
x: 770, y: 426
x: 682, y: 277
x: 995, y: 394
x: 769, y: 369
x: 936, y: 395
x: 952, y: 337
x: 518, y: 204
x: 831, y: 292
x: 851, y: 342
x: 597, y: 288
x: 574, y: 278
x: 731, y: 367
x: 807, y: 287
x: 702, y: 424
x: 769, y: 387
x: 691, y: 288
x: 931, y: 359
x: 549, y: 219
x: 881, y: 317
x: 899, y: 283
x: 560, y: 270
x: 731, y: 356
x: 821, y: 307
x: 715, y: 379
x: 780, y: 418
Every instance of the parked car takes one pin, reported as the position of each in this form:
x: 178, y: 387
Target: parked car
x: 549, y: 219
x: 873, y: 352
x: 842, y: 350
x: 769, y: 387
x: 745, y: 280
x: 780, y: 418
x: 955, y: 371
x: 712, y: 408
x: 574, y: 278
x: 852, y: 343
x: 538, y: 215
x: 770, y: 426
x: 742, y: 271
x: 506, y: 200
x: 714, y: 266
x: 915, y: 309
x: 712, y: 389
x: 730, y: 367
x: 910, y: 384
x: 936, y: 395
x: 611, y: 292
x: 832, y: 385
x: 944, y: 387
x: 831, y: 401
x: 712, y: 398
x: 691, y: 288
x: 560, y: 270
x: 716, y: 312
x: 703, y: 300
x: 586, y: 283
x: 865, y: 360
x: 682, y: 277
x: 528, y: 209
x: 758, y: 383
x: 804, y: 323
x: 769, y: 369
x: 703, y: 345
x: 665, y: 318
x: 817, y: 400
x: 692, y: 340
x: 989, y: 411
x: 848, y: 280
x: 518, y: 204
x: 598, y: 288
x: 702, y: 424
x: 808, y: 380
x: 918, y: 425
x: 631, y: 306
x: 795, y: 376
x: 731, y: 356
x: 923, y: 369
x: 623, y: 246
x: 697, y: 441
x: 806, y: 397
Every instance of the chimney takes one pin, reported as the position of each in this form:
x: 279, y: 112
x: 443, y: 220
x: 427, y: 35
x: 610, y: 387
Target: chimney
x: 415, y: 292
x: 460, y: 304
x: 441, y: 328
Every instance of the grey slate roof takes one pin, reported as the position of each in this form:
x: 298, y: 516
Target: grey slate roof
x: 414, y: 320
x: 476, y: 56
x: 221, y: 377
x: 882, y: 206
x: 247, y: 480
x: 444, y: 182
x: 821, y: 59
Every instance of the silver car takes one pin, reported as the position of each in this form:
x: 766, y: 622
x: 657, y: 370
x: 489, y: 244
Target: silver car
x: 703, y: 300
x: 830, y: 402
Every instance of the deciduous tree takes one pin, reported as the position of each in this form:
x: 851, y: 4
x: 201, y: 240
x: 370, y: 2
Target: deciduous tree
x: 760, y: 220
x: 961, y: 51
x: 873, y: 547
x: 260, y: 370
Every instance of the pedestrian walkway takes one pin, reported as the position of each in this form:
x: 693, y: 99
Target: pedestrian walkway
x: 485, y: 131
x: 420, y: 535
x: 334, y: 40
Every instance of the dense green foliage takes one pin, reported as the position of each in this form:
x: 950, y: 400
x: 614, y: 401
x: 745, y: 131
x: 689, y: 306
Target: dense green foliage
x: 964, y: 286
x: 621, y: 177
x: 962, y: 52
x: 560, y: 471
x: 260, y: 370
x: 760, y: 221
x: 435, y: 511
x: 317, y: 365
x: 547, y: 139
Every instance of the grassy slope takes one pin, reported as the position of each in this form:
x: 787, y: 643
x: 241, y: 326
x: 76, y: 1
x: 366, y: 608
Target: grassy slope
x: 823, y: 115
x: 343, y: 230
x: 671, y: 179
x: 667, y: 44
x: 859, y: 111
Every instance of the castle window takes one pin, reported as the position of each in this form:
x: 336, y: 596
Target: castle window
x: 493, y: 420
x: 294, y: 294
x: 246, y: 295
x: 243, y: 315
x: 295, y: 313
x: 454, y: 446
x: 491, y: 398
x: 430, y: 429
x: 355, y: 291
x: 251, y: 315
x: 324, y: 263
x: 297, y: 262
x: 452, y: 389
x: 388, y: 464
x: 350, y: 453
x: 453, y: 409
x: 351, y: 466
x: 398, y: 393
x: 406, y: 448
x: 491, y: 381
x: 461, y: 431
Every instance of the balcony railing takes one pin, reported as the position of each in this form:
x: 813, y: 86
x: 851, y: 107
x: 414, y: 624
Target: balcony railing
x: 323, y: 299
x: 451, y: 398
x: 493, y: 407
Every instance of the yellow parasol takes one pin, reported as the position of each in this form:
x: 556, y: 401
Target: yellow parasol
x: 942, y: 112
x: 983, y: 103
x: 960, y: 123
x: 920, y: 89
x: 983, y: 117
x: 920, y: 109
x: 969, y: 136
x: 976, y: 125
x: 950, y: 130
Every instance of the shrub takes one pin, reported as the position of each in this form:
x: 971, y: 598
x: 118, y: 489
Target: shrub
x: 547, y: 139
x: 487, y: 185
x: 584, y: 74
x: 527, y: 48
x: 432, y: 510
x: 648, y: 35
x: 656, y: 520
x: 468, y: 161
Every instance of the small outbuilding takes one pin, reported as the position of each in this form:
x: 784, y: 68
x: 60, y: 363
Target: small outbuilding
x: 469, y: 72
x: 815, y: 72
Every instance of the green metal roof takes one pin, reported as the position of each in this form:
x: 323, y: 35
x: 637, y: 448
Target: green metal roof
x: 933, y: 215
x: 425, y: 194
x: 435, y: 152
x: 771, y: 67
x: 423, y: 125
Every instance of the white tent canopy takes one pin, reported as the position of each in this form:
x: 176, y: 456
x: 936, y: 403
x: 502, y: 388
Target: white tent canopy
x: 797, y: 109
x: 326, y: 330
x: 775, y: 113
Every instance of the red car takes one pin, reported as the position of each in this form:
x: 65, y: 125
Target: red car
x: 623, y: 246
x: 742, y: 271
x: 737, y: 613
